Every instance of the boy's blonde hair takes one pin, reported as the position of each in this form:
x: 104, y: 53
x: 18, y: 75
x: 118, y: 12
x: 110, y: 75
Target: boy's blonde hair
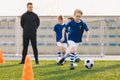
x: 60, y: 17
x: 78, y: 11
x: 70, y: 18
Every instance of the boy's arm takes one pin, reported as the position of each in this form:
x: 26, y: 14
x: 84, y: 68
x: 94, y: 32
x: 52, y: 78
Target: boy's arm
x: 87, y: 30
x: 53, y: 39
x: 64, y: 30
x: 63, y: 37
x: 87, y: 37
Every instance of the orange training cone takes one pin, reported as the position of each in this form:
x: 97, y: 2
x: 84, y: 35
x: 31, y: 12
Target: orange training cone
x: 1, y: 57
x: 27, y: 71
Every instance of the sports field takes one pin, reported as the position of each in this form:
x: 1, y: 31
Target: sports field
x: 49, y: 70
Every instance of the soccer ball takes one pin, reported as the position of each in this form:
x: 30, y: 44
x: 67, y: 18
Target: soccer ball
x: 88, y: 63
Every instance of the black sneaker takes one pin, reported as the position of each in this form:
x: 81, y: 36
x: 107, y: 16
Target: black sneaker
x: 77, y: 60
x: 58, y: 63
x: 37, y: 62
x: 61, y: 61
x: 21, y: 63
x: 72, y: 68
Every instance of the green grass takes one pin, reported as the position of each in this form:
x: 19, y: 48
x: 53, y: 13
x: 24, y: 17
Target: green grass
x: 48, y: 70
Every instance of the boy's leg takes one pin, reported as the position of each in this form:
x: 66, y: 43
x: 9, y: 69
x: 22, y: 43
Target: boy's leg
x: 72, y: 58
x: 59, y: 49
x: 72, y: 46
x: 59, y: 54
x: 67, y: 54
x: 77, y: 59
x: 63, y: 51
x: 62, y: 60
x: 64, y: 47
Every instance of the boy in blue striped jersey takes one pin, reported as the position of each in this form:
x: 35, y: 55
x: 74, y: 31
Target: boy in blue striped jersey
x: 77, y: 27
x: 77, y: 59
x: 58, y: 34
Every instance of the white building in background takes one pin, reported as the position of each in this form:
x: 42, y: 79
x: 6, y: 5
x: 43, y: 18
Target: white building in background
x: 64, y: 7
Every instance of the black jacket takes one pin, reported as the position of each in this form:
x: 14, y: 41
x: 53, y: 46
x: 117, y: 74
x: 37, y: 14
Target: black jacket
x: 29, y: 22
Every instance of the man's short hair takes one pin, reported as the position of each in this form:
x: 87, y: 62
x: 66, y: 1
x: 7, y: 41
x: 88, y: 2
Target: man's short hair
x: 29, y: 3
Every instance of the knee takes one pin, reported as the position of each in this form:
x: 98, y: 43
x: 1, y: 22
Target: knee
x: 64, y: 50
x: 60, y: 49
x: 72, y: 50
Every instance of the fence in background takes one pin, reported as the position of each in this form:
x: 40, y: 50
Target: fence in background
x: 104, y: 37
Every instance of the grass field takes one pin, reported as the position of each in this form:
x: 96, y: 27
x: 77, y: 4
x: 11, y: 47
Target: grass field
x: 48, y: 70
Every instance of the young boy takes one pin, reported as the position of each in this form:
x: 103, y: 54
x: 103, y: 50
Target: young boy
x: 77, y: 27
x: 77, y: 59
x: 58, y: 34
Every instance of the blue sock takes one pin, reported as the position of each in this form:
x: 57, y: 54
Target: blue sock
x: 59, y: 54
x: 76, y: 56
x: 72, y: 59
x: 77, y: 59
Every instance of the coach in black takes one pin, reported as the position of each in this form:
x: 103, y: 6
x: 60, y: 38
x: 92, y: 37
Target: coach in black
x: 29, y: 22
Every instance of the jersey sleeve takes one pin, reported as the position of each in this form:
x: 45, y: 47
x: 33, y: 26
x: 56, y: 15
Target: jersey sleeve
x: 66, y: 29
x: 68, y: 25
x: 55, y: 28
x: 85, y: 26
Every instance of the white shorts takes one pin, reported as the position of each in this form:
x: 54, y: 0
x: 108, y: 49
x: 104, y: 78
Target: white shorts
x: 72, y: 44
x: 64, y: 45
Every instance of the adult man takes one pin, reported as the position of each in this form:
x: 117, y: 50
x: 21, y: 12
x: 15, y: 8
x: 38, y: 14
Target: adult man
x: 29, y: 22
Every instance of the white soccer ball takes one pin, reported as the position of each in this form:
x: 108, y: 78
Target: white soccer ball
x: 88, y: 63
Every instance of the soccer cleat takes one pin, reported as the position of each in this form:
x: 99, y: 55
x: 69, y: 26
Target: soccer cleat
x: 77, y: 60
x: 59, y: 64
x: 64, y: 62
x: 61, y: 61
x: 58, y: 59
x: 72, y: 68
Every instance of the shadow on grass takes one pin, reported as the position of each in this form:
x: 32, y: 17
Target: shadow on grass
x: 50, y: 69
x: 83, y: 72
x: 55, y: 72
x: 9, y: 65
x: 45, y: 66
